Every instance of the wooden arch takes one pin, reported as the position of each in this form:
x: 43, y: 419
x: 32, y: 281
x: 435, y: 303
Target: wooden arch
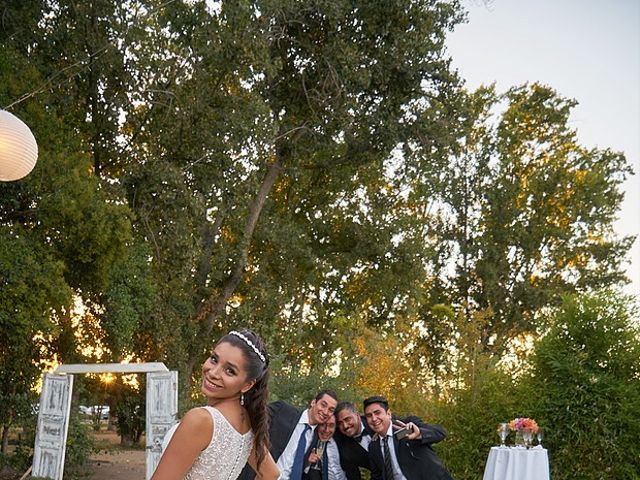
x: 55, y: 405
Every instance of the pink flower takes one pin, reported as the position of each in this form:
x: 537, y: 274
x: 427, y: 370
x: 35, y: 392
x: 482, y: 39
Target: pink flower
x: 519, y: 424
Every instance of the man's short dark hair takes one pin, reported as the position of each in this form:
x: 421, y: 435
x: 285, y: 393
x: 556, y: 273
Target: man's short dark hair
x: 345, y: 406
x: 322, y: 393
x: 376, y: 399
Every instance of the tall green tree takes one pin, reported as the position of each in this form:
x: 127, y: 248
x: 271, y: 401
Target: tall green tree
x: 264, y: 161
x: 525, y: 215
x: 256, y: 145
x: 60, y: 232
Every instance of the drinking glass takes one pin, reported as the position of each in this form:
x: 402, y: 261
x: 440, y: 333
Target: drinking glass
x: 539, y: 436
x: 320, y: 446
x: 527, y: 436
x: 503, y: 433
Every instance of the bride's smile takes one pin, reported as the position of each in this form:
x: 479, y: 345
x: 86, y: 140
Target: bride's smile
x: 224, y: 373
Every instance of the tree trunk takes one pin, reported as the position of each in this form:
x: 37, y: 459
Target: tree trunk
x: 214, y: 306
x: 5, y: 439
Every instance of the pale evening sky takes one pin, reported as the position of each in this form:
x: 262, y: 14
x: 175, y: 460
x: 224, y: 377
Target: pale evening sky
x: 588, y: 50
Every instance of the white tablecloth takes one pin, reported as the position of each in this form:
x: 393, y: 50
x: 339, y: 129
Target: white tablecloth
x: 517, y: 463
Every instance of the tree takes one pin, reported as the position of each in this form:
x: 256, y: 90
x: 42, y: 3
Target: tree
x: 59, y: 233
x: 525, y: 215
x: 263, y: 143
x: 255, y: 145
x: 32, y: 288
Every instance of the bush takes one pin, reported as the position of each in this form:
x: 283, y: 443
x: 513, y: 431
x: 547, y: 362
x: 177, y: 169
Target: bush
x: 471, y: 417
x: 131, y: 415
x: 80, y: 446
x: 587, y: 378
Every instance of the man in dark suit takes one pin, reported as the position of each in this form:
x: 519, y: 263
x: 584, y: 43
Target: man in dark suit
x: 408, y: 458
x: 291, y: 432
x: 353, y: 438
x: 323, y: 464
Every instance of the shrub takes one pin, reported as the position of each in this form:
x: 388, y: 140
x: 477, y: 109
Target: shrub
x: 131, y: 415
x: 587, y: 378
x: 471, y: 417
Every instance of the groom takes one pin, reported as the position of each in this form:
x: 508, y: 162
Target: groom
x: 411, y: 457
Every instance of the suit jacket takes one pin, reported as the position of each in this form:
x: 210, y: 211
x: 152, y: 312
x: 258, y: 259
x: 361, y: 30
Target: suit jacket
x: 417, y: 459
x: 352, y: 455
x: 284, y: 419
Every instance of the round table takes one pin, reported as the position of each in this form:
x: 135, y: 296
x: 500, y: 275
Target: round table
x: 517, y: 463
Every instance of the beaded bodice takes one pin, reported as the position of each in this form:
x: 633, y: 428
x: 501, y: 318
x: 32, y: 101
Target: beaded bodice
x: 226, y: 455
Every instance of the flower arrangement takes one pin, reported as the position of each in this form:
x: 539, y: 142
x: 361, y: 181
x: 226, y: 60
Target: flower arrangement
x: 520, y: 424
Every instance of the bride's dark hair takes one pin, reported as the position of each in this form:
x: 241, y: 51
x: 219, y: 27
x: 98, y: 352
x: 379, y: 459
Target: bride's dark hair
x: 255, y: 400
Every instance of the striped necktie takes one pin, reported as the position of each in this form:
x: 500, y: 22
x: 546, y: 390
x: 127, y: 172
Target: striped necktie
x: 325, y: 463
x: 388, y: 469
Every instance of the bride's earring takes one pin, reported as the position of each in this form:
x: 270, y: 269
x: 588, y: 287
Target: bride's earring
x: 242, y: 399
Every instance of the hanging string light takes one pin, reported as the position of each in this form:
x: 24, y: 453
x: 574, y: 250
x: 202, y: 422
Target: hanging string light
x: 18, y: 148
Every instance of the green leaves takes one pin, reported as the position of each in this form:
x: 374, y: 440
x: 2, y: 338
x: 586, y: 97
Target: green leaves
x: 309, y: 169
x: 523, y: 215
x: 587, y: 375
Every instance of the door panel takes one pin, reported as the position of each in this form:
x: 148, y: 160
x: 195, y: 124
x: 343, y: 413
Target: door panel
x: 162, y: 408
x: 53, y: 423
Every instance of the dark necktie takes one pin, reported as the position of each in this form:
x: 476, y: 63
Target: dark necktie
x: 298, y: 459
x: 388, y: 469
x: 325, y: 463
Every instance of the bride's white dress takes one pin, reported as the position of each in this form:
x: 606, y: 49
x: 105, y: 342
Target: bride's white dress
x: 226, y: 454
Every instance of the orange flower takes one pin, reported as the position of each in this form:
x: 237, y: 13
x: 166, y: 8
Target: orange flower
x: 519, y: 424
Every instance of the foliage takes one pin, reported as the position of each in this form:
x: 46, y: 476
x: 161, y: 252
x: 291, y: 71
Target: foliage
x: 23, y: 430
x: 587, y: 383
x: 299, y: 389
x: 80, y: 445
x: 32, y: 289
x: 376, y: 362
x: 61, y: 230
x: 130, y: 415
x: 525, y: 215
x: 308, y: 116
x: 470, y: 415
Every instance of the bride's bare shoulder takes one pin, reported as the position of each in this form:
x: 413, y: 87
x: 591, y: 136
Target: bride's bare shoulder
x: 197, y: 418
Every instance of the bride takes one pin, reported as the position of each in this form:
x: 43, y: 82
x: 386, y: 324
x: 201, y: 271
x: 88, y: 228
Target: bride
x: 216, y: 441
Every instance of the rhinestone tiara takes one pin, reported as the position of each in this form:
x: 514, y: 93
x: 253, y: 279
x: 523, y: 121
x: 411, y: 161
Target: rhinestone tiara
x: 250, y: 343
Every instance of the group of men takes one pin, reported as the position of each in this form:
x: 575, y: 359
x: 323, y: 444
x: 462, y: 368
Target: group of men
x: 391, y: 448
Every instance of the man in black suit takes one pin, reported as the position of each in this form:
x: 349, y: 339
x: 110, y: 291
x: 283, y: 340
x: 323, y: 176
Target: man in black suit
x: 408, y: 458
x: 353, y: 438
x: 324, y: 464
x: 288, y: 425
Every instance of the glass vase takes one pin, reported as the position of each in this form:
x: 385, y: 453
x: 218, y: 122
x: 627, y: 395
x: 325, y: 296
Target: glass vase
x: 519, y: 441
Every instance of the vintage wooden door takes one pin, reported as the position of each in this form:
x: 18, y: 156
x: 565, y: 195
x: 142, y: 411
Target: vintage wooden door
x: 53, y: 422
x: 162, y: 408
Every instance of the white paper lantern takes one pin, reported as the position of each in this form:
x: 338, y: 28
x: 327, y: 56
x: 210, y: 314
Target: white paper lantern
x: 18, y: 148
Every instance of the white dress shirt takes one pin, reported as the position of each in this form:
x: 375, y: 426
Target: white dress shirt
x: 334, y: 469
x: 365, y: 438
x: 397, y: 473
x: 285, y: 462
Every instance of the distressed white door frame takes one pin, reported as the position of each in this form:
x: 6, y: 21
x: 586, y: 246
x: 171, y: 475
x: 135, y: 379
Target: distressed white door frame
x: 55, y: 405
x: 162, y: 408
x: 53, y: 422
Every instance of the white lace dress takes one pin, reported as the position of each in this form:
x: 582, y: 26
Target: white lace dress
x: 225, y: 456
